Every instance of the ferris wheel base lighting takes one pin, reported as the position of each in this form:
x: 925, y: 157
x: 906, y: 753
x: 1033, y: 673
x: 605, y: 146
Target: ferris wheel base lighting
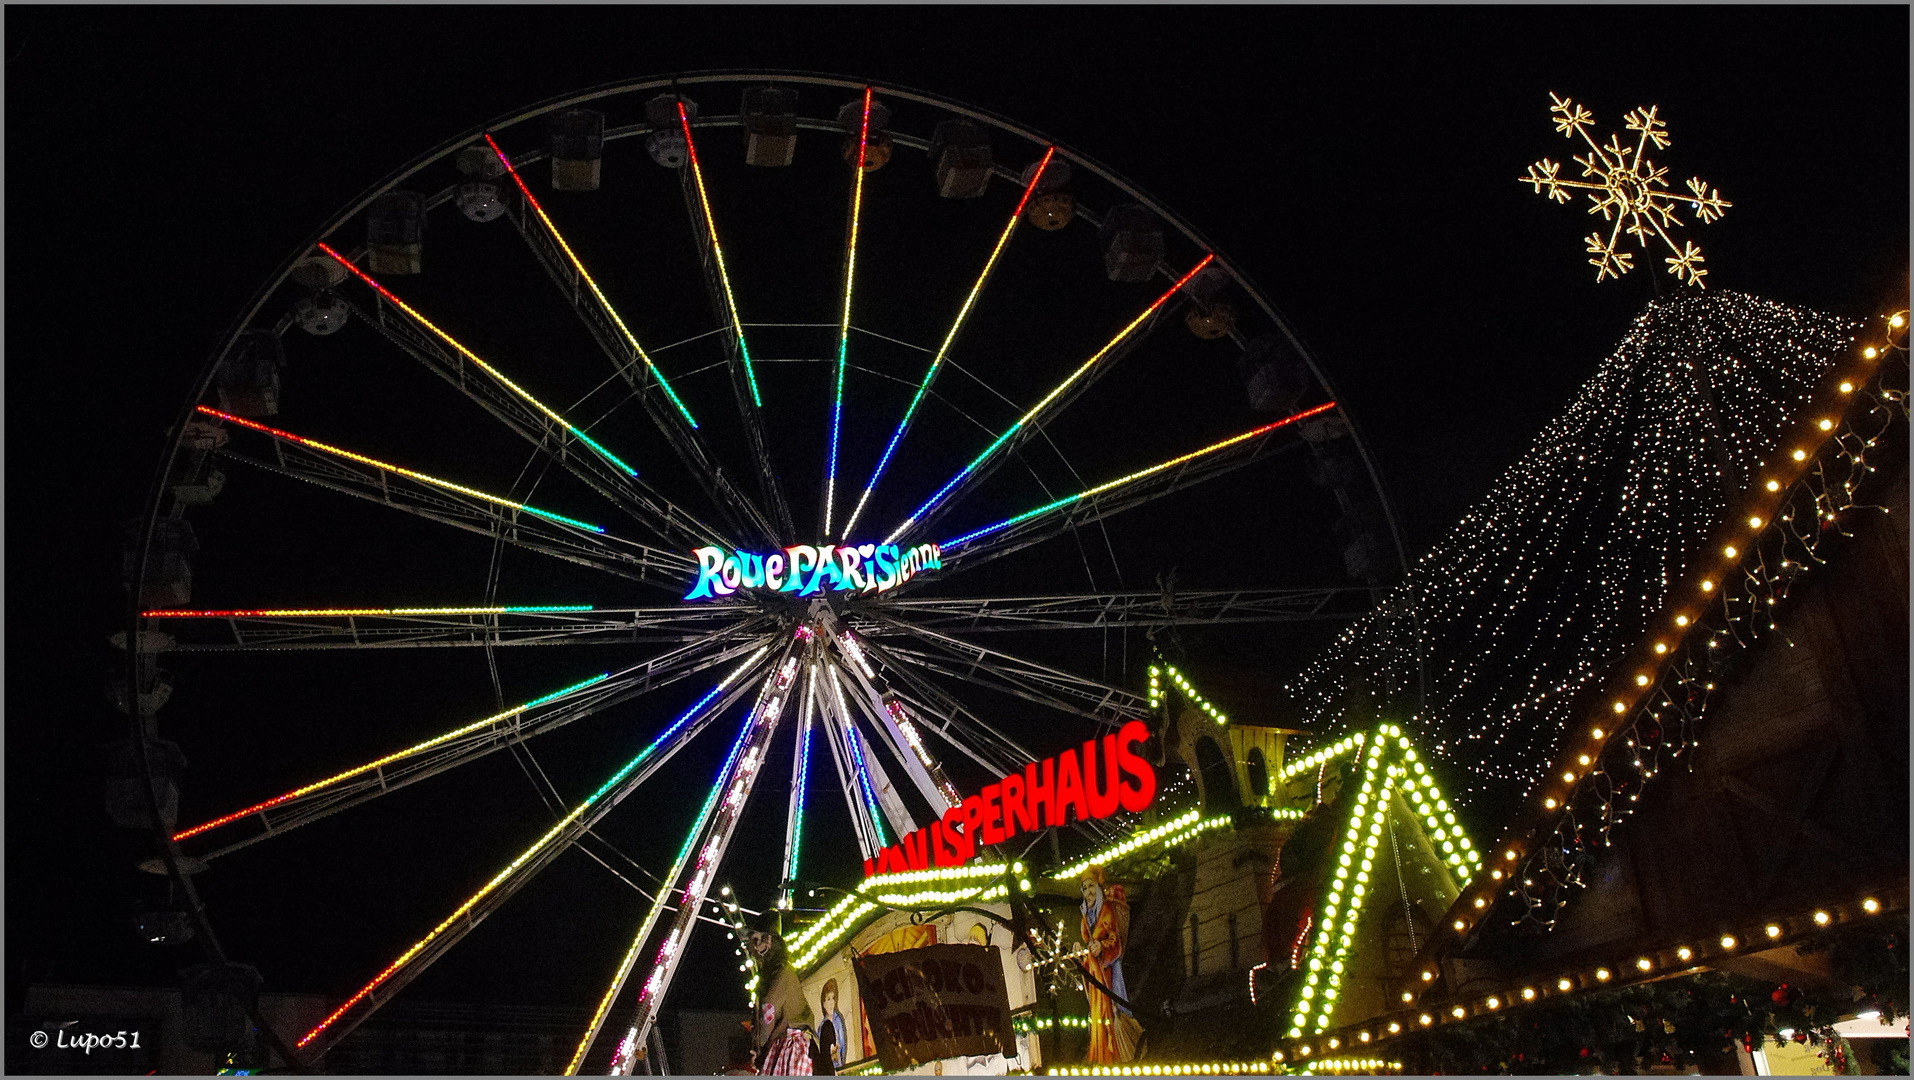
x: 1141, y: 473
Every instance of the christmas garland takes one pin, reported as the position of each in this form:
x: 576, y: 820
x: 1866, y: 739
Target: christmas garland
x: 1682, y: 1021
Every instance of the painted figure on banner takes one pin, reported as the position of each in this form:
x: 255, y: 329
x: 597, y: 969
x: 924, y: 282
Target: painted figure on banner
x: 897, y: 940
x: 1114, y: 1032
x: 830, y: 1025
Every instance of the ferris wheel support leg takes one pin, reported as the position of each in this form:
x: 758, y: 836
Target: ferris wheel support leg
x: 889, y: 714
x: 800, y: 776
x: 883, y: 791
x: 724, y: 808
x: 863, y: 815
x: 467, y: 916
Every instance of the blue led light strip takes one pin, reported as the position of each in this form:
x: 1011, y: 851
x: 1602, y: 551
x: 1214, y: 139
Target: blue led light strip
x: 1139, y: 474
x: 937, y: 362
x: 1039, y: 407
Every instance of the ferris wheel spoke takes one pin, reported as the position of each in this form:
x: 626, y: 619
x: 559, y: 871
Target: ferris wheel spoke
x: 844, y: 323
x: 744, y: 378
x: 1115, y: 610
x: 918, y: 766
x: 717, y: 823
x: 889, y: 714
x: 415, y: 628
x: 858, y: 796
x: 800, y: 781
x: 1026, y: 678
x: 943, y: 351
x: 469, y: 742
x: 875, y: 781
x: 634, y: 365
x: 1115, y: 496
x: 1032, y: 421
x: 562, y: 835
x: 953, y: 721
x: 464, y: 508
x: 527, y: 417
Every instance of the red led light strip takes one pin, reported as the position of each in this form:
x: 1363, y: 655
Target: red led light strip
x: 630, y: 339
x: 375, y: 463
x: 943, y: 350
x: 1047, y: 399
x: 474, y: 358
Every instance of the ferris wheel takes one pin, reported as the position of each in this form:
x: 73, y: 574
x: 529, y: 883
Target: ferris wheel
x: 824, y: 415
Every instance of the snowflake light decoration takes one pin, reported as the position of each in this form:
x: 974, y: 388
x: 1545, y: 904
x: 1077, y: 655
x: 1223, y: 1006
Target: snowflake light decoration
x: 1627, y: 189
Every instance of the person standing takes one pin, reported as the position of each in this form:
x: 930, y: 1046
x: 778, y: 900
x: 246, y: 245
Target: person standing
x: 781, y: 1019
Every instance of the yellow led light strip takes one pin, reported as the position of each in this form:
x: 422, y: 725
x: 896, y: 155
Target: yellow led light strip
x: 1081, y: 371
x: 1183, y: 684
x: 481, y: 364
x: 824, y: 934
x: 369, y: 766
x: 585, y: 275
x: 943, y: 350
x: 511, y: 868
x: 407, y: 473
x: 1185, y: 826
x: 717, y: 255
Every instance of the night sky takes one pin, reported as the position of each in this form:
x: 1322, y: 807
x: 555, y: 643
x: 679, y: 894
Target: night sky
x: 1358, y: 165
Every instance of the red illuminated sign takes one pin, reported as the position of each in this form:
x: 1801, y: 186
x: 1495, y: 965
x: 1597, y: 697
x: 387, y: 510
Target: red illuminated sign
x: 1105, y: 776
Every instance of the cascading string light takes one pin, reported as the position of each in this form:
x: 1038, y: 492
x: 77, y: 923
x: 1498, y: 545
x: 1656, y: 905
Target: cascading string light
x: 1660, y: 713
x: 1519, y: 610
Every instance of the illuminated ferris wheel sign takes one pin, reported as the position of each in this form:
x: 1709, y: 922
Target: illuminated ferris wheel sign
x: 806, y: 571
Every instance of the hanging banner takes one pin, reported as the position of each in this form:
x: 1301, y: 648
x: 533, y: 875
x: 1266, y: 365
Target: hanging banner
x: 935, y: 1002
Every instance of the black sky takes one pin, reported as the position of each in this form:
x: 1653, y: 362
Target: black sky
x: 1358, y: 164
